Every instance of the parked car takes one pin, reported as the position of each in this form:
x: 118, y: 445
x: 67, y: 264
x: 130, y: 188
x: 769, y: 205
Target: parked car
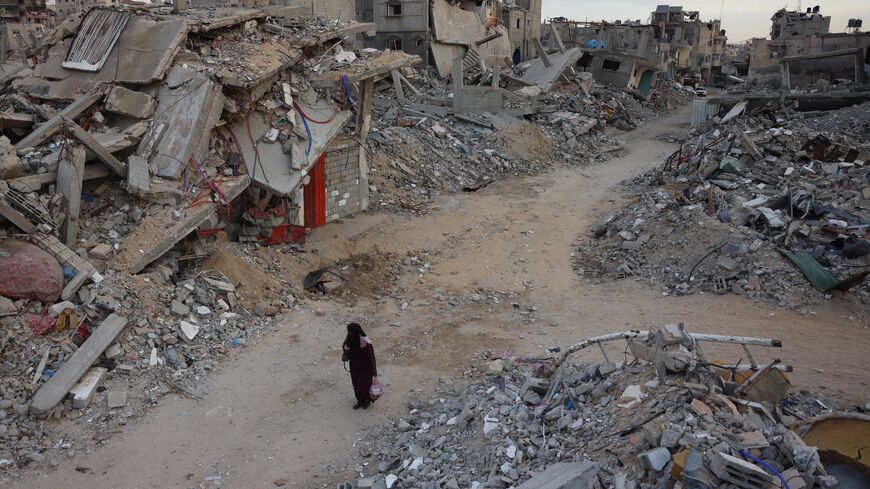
x: 700, y: 92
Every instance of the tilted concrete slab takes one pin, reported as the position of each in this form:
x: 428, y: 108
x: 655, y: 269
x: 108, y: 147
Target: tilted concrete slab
x: 275, y: 170
x: 578, y: 475
x: 52, y: 392
x: 543, y: 76
x: 185, y: 116
x: 158, y: 233
x: 142, y: 54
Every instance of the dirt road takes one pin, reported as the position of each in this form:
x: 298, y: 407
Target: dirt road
x: 282, y: 408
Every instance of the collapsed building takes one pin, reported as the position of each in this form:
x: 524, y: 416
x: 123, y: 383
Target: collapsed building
x: 439, y: 31
x: 802, y: 52
x: 622, y: 54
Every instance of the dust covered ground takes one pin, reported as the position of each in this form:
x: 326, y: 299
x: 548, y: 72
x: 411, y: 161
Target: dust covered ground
x: 486, y: 271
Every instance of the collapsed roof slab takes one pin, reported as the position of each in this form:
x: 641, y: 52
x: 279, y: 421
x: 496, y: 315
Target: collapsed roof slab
x: 269, y: 166
x: 158, y: 233
x: 536, y: 72
x: 142, y: 54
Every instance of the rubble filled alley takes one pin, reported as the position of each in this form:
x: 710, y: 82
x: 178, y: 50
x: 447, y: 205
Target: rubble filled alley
x: 580, y: 269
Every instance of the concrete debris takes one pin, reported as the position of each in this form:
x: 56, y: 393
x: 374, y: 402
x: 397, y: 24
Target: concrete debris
x: 430, y: 144
x: 81, y: 251
x: 516, y: 443
x: 773, y: 206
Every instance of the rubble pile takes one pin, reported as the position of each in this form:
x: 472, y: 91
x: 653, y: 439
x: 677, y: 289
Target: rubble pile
x: 113, y: 290
x: 424, y: 145
x: 760, y: 205
x: 678, y: 417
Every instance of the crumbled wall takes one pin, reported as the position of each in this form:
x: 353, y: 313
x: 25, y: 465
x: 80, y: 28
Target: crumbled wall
x: 332, y: 9
x: 345, y: 184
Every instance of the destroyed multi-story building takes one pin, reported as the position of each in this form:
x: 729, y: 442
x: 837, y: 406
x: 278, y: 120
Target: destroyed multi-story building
x: 488, y: 29
x: 801, y: 45
x: 523, y: 21
x: 690, y: 50
x: 25, y: 12
x: 791, y: 24
x: 623, y: 54
x: 65, y: 8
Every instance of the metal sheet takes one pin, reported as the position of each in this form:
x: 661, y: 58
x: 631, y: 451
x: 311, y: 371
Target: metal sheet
x: 95, y: 39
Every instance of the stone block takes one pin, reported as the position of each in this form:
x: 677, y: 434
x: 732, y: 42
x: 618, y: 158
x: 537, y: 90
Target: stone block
x: 739, y: 472
x: 577, y: 475
x: 130, y: 103
x: 83, y: 392
x: 655, y: 459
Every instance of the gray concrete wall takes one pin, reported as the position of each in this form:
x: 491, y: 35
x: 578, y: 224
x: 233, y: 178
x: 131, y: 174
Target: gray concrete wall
x: 345, y: 188
x: 331, y: 9
x: 617, y: 78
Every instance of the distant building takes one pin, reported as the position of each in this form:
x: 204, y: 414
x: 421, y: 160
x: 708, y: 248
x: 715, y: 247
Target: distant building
x: 805, y: 34
x: 25, y: 12
x: 407, y: 25
x: 792, y: 24
x: 65, y: 8
x: 622, y: 54
x: 691, y: 50
x: 523, y: 21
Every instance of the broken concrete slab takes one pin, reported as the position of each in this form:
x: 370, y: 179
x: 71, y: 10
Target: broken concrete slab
x: 70, y: 173
x: 83, y: 392
x: 7, y: 307
x: 143, y: 245
x: 277, y: 171
x: 141, y: 55
x: 577, y: 475
x: 535, y: 72
x: 130, y: 103
x: 53, y: 391
x: 178, y: 131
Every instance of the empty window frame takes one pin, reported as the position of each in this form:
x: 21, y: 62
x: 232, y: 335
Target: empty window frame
x: 394, y: 9
x: 610, y: 64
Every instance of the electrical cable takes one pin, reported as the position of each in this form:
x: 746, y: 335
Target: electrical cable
x: 305, y: 116
x: 766, y: 466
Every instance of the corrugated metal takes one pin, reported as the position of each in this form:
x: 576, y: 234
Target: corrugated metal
x: 97, y: 35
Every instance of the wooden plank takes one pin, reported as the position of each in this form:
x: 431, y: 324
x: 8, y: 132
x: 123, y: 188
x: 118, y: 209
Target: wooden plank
x: 397, y: 85
x: 102, y: 153
x: 44, y: 131
x: 70, y: 175
x: 52, y: 392
x: 409, y: 84
x: 364, y: 116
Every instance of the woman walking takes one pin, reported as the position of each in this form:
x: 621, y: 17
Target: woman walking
x: 360, y: 353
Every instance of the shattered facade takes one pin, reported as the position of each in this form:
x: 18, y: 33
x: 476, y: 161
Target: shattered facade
x: 690, y: 49
x: 791, y: 24
x: 25, y: 12
x: 439, y: 31
x: 622, y: 54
